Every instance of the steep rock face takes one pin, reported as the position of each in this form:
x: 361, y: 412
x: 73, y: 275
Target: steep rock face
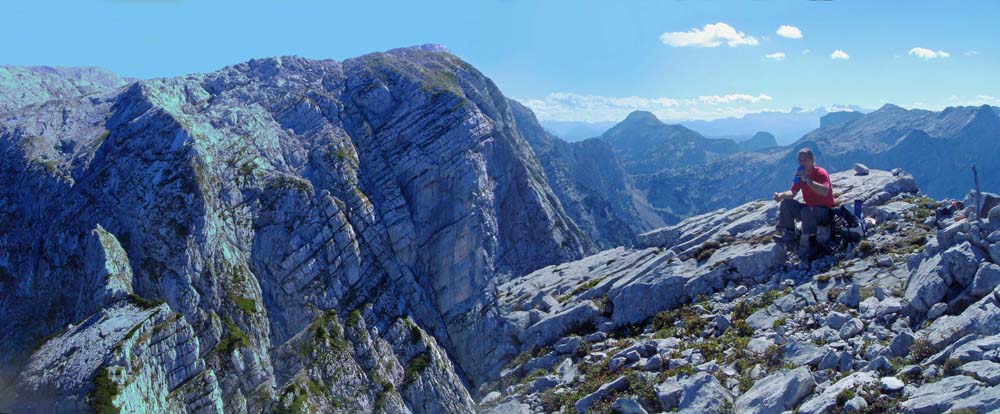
x: 591, y: 184
x: 126, y: 352
x: 138, y: 359
x: 256, y: 200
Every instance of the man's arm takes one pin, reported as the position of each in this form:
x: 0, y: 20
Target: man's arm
x: 819, y: 188
x: 786, y: 195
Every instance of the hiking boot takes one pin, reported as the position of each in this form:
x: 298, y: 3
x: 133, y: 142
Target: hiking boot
x: 809, y: 250
x: 785, y: 238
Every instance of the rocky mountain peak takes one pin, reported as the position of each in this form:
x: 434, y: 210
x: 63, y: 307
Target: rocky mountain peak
x: 285, y: 211
x: 890, y: 108
x: 641, y: 118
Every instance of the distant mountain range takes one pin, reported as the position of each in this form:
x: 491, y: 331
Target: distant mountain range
x: 573, y: 131
x: 787, y: 127
x: 937, y: 147
x: 647, y: 145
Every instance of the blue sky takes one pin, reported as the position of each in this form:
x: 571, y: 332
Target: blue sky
x: 569, y: 60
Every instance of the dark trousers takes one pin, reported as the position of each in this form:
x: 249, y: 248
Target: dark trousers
x: 810, y: 216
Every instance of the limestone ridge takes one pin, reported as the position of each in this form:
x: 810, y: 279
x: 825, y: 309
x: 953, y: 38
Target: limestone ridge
x: 709, y: 317
x: 302, y: 222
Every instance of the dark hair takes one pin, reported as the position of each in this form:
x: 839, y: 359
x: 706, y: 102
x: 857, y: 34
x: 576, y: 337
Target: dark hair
x: 808, y: 152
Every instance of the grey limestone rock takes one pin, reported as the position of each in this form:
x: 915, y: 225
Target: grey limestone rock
x: 777, y: 393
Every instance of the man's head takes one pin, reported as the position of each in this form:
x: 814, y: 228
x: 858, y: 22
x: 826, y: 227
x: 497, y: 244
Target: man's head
x: 806, y: 159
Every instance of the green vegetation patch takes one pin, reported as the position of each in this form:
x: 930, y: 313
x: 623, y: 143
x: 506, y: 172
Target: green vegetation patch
x: 105, y: 390
x: 416, y: 367
x: 233, y: 338
x: 247, y: 305
x: 142, y: 302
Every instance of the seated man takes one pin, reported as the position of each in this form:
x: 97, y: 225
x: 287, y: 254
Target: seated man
x: 817, y: 192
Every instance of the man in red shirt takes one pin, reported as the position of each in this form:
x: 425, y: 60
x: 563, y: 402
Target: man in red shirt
x: 817, y: 192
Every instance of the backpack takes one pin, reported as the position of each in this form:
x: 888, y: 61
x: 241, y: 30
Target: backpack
x: 847, y: 229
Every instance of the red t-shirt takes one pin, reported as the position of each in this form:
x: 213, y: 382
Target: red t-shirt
x: 820, y: 176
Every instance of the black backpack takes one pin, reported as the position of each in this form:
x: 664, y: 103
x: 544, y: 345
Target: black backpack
x: 846, y: 229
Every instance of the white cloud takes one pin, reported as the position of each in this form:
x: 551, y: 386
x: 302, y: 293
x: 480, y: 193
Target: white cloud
x: 839, y: 54
x: 775, y: 56
x: 711, y: 35
x: 789, y: 32
x: 562, y: 106
x: 956, y: 100
x: 971, y: 53
x: 733, y: 97
x: 928, y: 54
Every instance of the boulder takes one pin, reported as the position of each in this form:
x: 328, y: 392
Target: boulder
x: 851, y: 297
x: 891, y: 384
x: 548, y: 330
x: 803, y: 353
x: 946, y: 236
x: 962, y: 262
x: 776, y: 393
x: 568, y: 344
x: 938, y: 397
x: 855, y: 405
x: 986, y: 279
x: 699, y: 393
x: 925, y: 287
x: 627, y: 406
x: 900, y: 345
x: 583, y: 404
x: 936, y: 311
x: 568, y: 372
x: 827, y: 399
x: 759, y: 345
x: 983, y: 370
x: 543, y: 383
x: 836, y: 320
x: 994, y: 217
x: 851, y: 328
x: 669, y: 393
